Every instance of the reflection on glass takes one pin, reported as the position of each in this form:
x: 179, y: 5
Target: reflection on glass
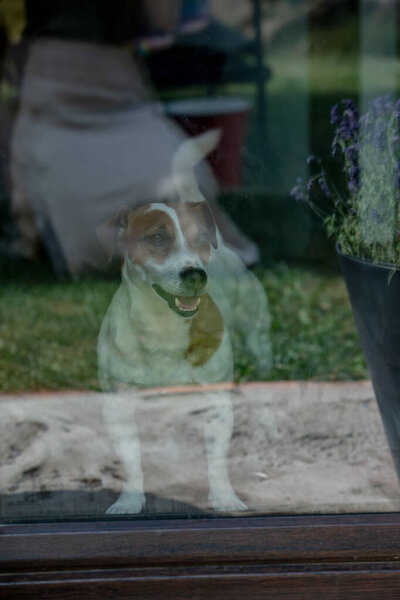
x: 175, y: 334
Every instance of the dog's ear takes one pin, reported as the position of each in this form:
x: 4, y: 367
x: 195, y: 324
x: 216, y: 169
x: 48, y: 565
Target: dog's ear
x: 210, y: 223
x: 112, y: 233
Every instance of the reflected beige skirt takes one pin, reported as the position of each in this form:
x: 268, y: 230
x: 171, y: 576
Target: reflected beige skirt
x: 87, y: 141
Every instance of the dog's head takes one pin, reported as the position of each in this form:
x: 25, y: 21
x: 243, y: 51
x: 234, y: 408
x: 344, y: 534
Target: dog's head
x: 168, y: 243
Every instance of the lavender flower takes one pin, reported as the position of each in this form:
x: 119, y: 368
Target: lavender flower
x: 380, y: 136
x: 396, y: 179
x: 397, y: 110
x: 352, y: 153
x: 299, y: 191
x: 354, y: 178
x: 364, y: 218
x: 375, y: 216
x: 347, y: 130
x: 323, y: 184
x: 381, y: 106
x: 311, y: 159
x: 335, y: 115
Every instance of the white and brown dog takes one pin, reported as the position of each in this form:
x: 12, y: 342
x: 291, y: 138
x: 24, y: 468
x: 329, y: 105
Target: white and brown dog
x: 169, y: 323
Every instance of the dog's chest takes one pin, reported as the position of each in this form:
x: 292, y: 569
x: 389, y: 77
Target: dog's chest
x: 167, y: 337
x: 159, y: 348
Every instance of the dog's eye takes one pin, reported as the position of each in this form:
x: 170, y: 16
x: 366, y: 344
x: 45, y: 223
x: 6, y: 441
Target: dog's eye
x: 157, y: 239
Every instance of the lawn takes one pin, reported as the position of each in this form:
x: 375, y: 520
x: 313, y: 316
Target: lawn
x: 49, y: 330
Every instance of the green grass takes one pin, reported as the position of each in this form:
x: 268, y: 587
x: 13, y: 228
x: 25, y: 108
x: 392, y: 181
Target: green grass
x: 313, y: 330
x: 48, y: 334
x: 49, y: 330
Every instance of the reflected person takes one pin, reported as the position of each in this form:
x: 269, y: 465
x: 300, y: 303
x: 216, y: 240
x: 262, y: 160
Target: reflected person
x: 89, y: 136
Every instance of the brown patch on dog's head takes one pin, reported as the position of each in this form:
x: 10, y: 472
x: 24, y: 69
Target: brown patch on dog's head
x: 198, y: 226
x: 149, y: 235
x: 144, y: 233
x: 153, y: 234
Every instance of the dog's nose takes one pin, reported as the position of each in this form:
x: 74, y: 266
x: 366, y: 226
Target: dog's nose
x: 194, y: 279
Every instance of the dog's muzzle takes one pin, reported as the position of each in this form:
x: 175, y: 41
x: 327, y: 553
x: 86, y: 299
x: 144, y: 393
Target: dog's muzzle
x: 194, y: 282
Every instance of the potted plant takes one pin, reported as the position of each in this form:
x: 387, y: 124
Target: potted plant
x: 360, y: 208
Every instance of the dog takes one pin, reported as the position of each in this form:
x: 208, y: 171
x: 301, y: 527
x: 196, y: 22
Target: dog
x: 170, y: 322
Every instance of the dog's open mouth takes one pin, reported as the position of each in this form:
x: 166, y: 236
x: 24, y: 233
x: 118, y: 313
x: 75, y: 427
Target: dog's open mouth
x: 184, y: 306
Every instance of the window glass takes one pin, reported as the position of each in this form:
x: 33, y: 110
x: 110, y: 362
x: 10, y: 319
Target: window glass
x: 199, y: 250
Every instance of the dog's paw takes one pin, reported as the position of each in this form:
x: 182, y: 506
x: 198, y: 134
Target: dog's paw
x: 128, y: 504
x: 227, y: 503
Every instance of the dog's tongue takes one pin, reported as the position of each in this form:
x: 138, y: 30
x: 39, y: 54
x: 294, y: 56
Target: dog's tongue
x: 187, y: 302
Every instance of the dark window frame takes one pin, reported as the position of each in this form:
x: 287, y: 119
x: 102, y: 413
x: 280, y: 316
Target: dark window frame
x: 332, y: 557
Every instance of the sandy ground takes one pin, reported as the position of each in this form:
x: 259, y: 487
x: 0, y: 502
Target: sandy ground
x: 296, y: 448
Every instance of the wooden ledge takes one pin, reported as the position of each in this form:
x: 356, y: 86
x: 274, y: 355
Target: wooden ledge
x: 343, y: 556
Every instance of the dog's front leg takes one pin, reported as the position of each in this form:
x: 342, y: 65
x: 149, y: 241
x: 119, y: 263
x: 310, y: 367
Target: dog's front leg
x: 217, y: 433
x: 119, y: 416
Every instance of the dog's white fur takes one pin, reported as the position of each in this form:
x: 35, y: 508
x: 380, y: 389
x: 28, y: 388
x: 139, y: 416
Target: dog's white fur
x: 142, y: 342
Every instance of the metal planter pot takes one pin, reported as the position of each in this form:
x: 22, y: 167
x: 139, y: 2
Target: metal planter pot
x: 374, y: 291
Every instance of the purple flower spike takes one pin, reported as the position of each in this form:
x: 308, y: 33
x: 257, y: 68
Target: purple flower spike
x: 396, y: 179
x: 335, y: 116
x: 380, y: 136
x: 397, y: 109
x: 335, y: 147
x: 299, y: 191
x: 346, y: 118
x: 352, y: 153
x: 324, y: 185
x: 354, y: 178
x: 375, y: 216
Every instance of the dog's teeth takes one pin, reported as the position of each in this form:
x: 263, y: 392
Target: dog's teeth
x: 188, y: 308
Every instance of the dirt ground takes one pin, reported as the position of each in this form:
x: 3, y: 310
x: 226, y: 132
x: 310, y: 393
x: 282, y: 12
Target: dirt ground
x: 296, y: 448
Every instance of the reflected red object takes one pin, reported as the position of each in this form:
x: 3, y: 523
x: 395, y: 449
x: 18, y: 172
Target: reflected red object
x: 230, y: 115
